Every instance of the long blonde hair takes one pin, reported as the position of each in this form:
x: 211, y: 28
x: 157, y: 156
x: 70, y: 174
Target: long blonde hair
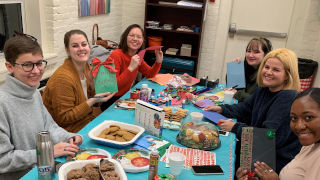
x: 290, y: 62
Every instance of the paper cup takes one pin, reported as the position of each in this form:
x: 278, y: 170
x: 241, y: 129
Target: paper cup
x: 228, y: 95
x: 196, y: 116
x: 176, y: 162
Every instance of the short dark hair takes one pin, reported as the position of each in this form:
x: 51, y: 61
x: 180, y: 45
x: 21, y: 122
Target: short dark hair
x: 123, y: 40
x: 68, y: 34
x: 314, y: 93
x: 266, y: 45
x: 18, y: 45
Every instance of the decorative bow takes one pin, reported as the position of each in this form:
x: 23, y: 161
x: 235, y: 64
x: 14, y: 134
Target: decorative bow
x: 107, y: 63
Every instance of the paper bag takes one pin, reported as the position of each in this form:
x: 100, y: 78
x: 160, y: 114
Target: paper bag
x: 257, y: 144
x: 104, y: 76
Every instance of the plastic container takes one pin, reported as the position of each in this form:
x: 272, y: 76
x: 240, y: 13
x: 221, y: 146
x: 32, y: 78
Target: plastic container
x: 154, y: 40
x: 203, y: 136
x: 153, y: 167
x: 144, y: 93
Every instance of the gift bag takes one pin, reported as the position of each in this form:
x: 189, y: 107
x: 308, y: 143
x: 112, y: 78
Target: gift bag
x: 104, y: 75
x: 257, y: 144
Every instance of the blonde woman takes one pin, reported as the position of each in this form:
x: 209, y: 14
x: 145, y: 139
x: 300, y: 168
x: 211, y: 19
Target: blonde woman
x: 269, y: 106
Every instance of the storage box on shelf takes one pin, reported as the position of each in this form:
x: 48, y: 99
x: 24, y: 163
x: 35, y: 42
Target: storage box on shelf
x: 176, y: 65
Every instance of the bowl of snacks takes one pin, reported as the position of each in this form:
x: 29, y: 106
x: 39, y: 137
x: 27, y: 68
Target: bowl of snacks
x: 115, y: 134
x: 204, y: 136
x: 109, y: 168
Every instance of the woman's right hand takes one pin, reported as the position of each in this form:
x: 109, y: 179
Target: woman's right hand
x: 215, y: 108
x: 238, y: 60
x: 63, y: 148
x: 101, y: 97
x: 134, y: 63
x: 265, y: 172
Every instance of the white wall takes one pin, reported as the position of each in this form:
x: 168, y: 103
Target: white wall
x: 60, y: 16
x: 304, y: 35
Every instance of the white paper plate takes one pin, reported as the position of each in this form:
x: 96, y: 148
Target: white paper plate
x: 127, y: 164
x: 124, y: 103
x: 98, y: 152
x: 214, y: 97
x: 64, y: 169
x: 95, y: 132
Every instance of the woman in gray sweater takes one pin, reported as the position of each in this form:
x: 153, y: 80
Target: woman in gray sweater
x: 22, y: 113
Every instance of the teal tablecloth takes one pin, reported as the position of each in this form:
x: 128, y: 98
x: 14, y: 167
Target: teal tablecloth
x: 225, y: 154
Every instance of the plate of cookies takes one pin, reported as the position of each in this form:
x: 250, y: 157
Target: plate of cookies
x: 133, y: 160
x: 115, y: 134
x: 173, y: 118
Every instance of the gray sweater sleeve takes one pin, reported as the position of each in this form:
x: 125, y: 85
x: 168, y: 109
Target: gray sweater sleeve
x: 10, y: 159
x: 57, y: 133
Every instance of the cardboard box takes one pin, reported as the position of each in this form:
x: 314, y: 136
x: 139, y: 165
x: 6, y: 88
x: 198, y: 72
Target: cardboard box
x: 185, y: 50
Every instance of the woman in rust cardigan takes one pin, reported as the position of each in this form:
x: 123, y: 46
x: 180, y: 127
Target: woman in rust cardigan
x: 69, y: 94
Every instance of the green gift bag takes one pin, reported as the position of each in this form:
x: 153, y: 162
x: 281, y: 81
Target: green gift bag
x: 104, y: 75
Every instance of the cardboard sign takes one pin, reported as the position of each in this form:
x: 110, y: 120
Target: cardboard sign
x: 150, y: 117
x: 104, y: 76
x: 257, y: 144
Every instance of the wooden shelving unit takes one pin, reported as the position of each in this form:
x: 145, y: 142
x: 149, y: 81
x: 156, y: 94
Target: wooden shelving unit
x: 176, y: 15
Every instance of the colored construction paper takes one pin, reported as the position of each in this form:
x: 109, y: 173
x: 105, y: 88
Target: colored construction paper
x: 235, y: 75
x: 162, y: 79
x: 203, y: 103
x: 142, y: 52
x: 213, y: 116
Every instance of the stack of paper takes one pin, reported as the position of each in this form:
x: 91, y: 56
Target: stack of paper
x: 172, y: 51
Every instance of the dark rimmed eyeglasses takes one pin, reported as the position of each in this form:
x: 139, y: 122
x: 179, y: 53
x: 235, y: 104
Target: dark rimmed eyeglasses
x: 28, y: 67
x: 25, y: 35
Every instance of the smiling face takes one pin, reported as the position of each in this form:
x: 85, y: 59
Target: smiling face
x: 31, y: 78
x: 134, y: 40
x: 274, y: 75
x: 254, y: 55
x: 305, y: 120
x: 78, y: 49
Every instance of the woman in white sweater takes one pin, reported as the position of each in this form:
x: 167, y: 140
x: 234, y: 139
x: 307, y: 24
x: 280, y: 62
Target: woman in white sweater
x: 22, y: 113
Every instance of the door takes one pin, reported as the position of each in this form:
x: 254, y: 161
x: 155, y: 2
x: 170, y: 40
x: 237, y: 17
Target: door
x: 271, y: 18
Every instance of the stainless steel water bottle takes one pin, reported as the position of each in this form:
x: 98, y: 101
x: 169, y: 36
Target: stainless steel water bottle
x: 45, y: 159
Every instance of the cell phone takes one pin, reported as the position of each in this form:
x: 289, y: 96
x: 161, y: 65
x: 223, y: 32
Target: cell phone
x: 206, y: 169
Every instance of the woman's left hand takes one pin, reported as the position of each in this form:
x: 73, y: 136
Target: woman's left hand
x: 63, y: 148
x: 76, y: 140
x: 225, y: 125
x: 265, y: 172
x: 159, y: 56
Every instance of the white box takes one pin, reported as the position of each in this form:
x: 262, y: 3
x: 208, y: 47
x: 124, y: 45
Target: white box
x: 185, y: 50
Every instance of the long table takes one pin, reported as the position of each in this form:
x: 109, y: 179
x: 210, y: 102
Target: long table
x: 225, y: 154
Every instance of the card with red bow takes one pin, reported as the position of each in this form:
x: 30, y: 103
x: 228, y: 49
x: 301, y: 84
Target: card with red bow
x: 104, y: 75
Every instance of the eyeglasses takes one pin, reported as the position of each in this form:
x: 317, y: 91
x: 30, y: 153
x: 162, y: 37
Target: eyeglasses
x: 28, y: 67
x: 133, y: 35
x: 25, y: 35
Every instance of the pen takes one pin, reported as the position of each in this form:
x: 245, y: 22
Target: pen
x: 234, y: 86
